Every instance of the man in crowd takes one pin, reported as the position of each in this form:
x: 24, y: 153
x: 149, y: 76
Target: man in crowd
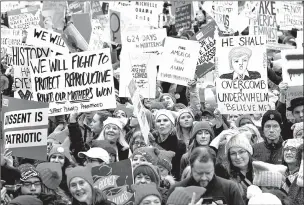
x: 202, y: 162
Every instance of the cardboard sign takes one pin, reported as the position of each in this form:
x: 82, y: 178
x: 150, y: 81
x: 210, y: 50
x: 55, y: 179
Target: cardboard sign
x: 146, y: 12
x: 83, y: 24
x: 179, y: 3
x: 183, y: 17
x: 76, y: 6
x: 115, y: 28
x: 142, y: 68
x: 74, y: 40
x: 293, y: 93
x: 80, y: 82
x: 41, y: 37
x: 292, y: 69
x: 100, y: 33
x: 115, y: 181
x: 178, y: 61
x: 11, y: 37
x: 21, y: 56
x: 97, y: 9
x: 25, y: 125
x: 144, y: 40
x: 242, y: 86
x: 225, y: 14
x: 207, y: 48
x: 289, y: 15
x: 299, y: 40
x: 266, y: 22
x: 24, y: 18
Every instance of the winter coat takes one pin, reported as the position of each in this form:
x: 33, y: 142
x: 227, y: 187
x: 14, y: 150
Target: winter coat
x: 270, y: 153
x: 171, y: 144
x: 287, y: 133
x: 296, y: 193
x: 52, y: 199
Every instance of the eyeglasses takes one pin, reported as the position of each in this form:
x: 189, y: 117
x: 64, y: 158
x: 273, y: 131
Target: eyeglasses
x: 142, y: 144
x: 291, y: 149
x: 30, y: 184
x: 239, y: 153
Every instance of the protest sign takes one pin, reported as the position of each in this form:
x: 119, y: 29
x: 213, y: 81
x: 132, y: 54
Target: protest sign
x: 289, y: 15
x: 74, y: 40
x: 225, y: 14
x: 146, y: 12
x: 294, y: 93
x: 24, y: 18
x: 183, y: 17
x: 97, y: 9
x: 53, y: 14
x: 115, y: 181
x: 76, y: 6
x: 10, y: 5
x: 41, y: 37
x: 207, y: 48
x: 178, y: 61
x: 299, y: 40
x: 100, y: 33
x: 11, y: 37
x: 266, y: 22
x: 242, y: 84
x: 81, y: 82
x: 21, y: 56
x: 83, y: 24
x: 145, y: 40
x: 142, y: 68
x: 115, y: 28
x: 25, y: 125
x: 292, y: 69
x: 175, y: 4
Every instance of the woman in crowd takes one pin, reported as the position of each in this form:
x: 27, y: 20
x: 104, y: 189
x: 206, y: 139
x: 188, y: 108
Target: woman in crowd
x: 291, y: 159
x: 201, y: 135
x: 165, y: 138
x: 113, y: 133
x: 239, y: 153
x: 184, y: 125
x: 80, y: 184
x: 137, y: 140
x: 147, y: 194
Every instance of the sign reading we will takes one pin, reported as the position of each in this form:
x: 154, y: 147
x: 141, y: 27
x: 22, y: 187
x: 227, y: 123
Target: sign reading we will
x: 146, y: 40
x: 242, y: 86
x: 25, y: 127
x: 266, y: 22
x: 79, y: 82
x: 178, y: 61
x: 42, y: 37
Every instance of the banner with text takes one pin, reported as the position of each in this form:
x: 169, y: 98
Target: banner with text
x: 266, y: 22
x: 178, y: 61
x: 24, y: 18
x: 79, y: 82
x: 115, y: 181
x: 242, y: 86
x: 183, y: 17
x: 25, y: 125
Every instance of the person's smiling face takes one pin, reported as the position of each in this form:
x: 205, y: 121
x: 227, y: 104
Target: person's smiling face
x: 80, y: 189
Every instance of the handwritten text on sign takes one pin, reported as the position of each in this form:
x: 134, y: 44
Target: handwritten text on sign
x: 25, y: 118
x: 178, y: 61
x: 147, y: 40
x: 42, y: 37
x: 266, y: 23
x: 77, y: 82
x: 242, y: 84
x: 24, y: 18
x: 183, y: 17
x: 289, y: 15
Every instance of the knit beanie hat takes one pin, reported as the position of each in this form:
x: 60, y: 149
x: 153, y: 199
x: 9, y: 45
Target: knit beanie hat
x: 256, y: 197
x: 150, y: 153
x: 50, y: 174
x: 165, y: 159
x: 240, y: 118
x: 296, y: 143
x: 144, y: 190
x: 28, y: 171
x: 167, y: 113
x: 268, y: 175
x: 239, y: 140
x: 104, y: 144
x: 59, y: 149
x: 167, y: 94
x: 298, y: 127
x: 148, y: 169
x: 179, y: 106
x: 157, y: 106
x: 183, y: 195
x: 124, y: 108
x: 116, y: 121
x: 183, y: 111
x: 26, y: 200
x: 79, y: 171
x: 271, y: 115
x: 202, y: 125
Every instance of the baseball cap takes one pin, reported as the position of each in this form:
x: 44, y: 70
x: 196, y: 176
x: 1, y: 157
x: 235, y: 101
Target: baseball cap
x: 96, y: 153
